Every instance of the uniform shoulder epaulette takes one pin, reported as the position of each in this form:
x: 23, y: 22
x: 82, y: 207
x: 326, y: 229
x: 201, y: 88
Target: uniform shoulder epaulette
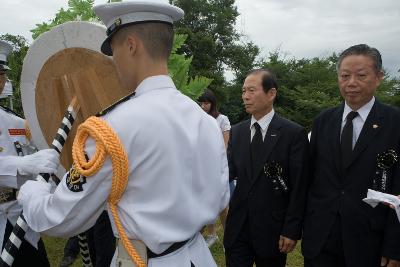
x: 112, y: 106
x: 10, y: 111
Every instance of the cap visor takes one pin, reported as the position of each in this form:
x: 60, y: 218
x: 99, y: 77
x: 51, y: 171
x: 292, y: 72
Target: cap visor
x: 106, y: 47
x: 4, y: 67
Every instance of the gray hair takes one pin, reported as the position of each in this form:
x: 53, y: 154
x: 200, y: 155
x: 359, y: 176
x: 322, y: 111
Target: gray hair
x: 364, y: 50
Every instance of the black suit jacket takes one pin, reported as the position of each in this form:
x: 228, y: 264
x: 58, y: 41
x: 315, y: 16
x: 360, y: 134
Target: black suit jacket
x: 271, y: 213
x: 336, y: 189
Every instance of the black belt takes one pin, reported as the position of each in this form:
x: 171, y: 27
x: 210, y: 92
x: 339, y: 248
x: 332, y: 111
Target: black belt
x: 172, y: 248
x: 7, y: 195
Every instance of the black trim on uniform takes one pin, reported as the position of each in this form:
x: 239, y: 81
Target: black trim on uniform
x: 112, y: 106
x: 6, y: 109
x: 117, y: 25
x: 172, y: 248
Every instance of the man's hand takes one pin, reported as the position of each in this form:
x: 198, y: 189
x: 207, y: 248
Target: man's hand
x: 392, y: 205
x: 287, y: 245
x: 389, y: 263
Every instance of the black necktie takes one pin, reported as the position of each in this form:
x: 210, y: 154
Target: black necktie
x: 346, y: 142
x: 256, y: 148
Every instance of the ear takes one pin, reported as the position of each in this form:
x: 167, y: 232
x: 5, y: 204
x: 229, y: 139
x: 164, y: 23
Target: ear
x: 132, y: 43
x: 272, y: 93
x: 380, y: 75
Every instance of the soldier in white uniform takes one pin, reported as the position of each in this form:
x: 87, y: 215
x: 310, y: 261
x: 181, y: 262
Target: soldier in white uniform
x: 178, y: 174
x: 15, y: 169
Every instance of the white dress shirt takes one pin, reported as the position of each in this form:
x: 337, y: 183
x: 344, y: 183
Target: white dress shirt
x: 358, y: 122
x: 263, y: 122
x: 178, y: 177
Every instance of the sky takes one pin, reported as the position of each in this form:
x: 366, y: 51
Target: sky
x: 298, y: 28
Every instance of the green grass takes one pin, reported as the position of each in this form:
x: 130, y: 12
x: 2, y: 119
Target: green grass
x: 55, y: 246
x: 55, y: 251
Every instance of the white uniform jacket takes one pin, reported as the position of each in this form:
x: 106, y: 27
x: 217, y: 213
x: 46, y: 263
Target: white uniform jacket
x: 12, y: 129
x: 178, y: 177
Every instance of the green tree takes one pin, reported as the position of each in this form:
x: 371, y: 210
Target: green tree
x: 179, y: 65
x: 215, y: 45
x: 389, y: 90
x: 210, y: 29
x: 77, y: 10
x: 307, y: 86
x: 15, y: 60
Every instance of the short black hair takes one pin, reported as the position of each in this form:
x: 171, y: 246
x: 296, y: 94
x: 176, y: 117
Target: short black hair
x: 157, y: 37
x: 269, y: 80
x: 365, y: 50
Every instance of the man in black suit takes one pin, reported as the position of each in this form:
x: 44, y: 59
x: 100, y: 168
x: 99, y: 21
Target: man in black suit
x: 353, y: 148
x: 267, y: 154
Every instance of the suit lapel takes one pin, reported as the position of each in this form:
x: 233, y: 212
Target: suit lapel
x: 271, y: 137
x: 371, y: 127
x: 337, y: 125
x: 246, y: 147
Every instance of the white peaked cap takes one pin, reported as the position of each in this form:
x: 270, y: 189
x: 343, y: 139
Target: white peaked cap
x: 5, y: 49
x: 119, y: 14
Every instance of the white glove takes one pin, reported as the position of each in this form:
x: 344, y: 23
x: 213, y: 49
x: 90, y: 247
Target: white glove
x: 43, y: 161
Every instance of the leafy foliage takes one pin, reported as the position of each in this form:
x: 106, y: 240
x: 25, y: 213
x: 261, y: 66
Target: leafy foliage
x: 179, y: 70
x: 307, y: 86
x: 389, y: 91
x: 77, y: 10
x: 214, y: 42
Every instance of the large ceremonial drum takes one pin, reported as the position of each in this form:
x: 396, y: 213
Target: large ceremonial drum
x: 61, y: 64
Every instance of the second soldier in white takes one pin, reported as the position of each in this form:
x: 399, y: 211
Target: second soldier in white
x: 178, y: 174
x: 16, y: 166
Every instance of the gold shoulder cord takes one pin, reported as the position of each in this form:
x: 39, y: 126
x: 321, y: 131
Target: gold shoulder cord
x: 107, y: 143
x: 28, y: 132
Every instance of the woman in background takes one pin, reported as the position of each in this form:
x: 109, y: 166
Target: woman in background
x: 208, y: 103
